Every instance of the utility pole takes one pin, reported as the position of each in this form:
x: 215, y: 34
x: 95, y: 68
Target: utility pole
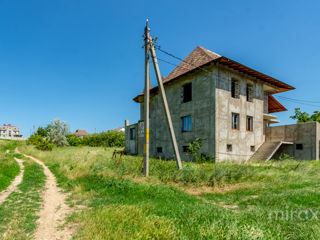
x: 146, y: 99
x: 165, y: 104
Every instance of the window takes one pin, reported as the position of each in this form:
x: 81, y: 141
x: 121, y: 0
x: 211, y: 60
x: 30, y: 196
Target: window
x: 249, y: 123
x: 299, y: 146
x: 235, y: 121
x: 132, y: 133
x: 185, y: 148
x: 159, y: 149
x: 229, y: 147
x: 235, y: 88
x: 187, y: 93
x: 249, y: 91
x: 252, y: 148
x: 186, y: 124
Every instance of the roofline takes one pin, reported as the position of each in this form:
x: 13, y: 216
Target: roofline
x: 282, y: 87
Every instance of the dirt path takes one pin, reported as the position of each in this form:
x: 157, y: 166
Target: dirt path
x: 14, y: 185
x: 54, y: 211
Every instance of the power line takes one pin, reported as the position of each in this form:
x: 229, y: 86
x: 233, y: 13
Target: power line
x: 300, y: 100
x: 295, y: 101
x: 162, y: 60
x: 180, y: 59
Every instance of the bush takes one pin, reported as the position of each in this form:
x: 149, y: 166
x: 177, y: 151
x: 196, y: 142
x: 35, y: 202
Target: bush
x: 44, y: 145
x: 105, y: 139
x: 43, y: 131
x: 34, y: 140
x: 194, y: 151
x: 74, y: 140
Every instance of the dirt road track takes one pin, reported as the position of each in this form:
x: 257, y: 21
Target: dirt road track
x: 54, y: 211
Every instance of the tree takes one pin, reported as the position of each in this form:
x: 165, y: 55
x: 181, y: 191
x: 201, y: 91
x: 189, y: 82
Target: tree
x: 58, y: 132
x: 43, y: 131
x: 305, y: 117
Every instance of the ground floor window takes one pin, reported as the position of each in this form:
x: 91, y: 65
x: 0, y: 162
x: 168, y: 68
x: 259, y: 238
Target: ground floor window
x: 299, y: 146
x: 229, y: 147
x: 159, y: 149
x: 185, y: 149
x: 132, y: 133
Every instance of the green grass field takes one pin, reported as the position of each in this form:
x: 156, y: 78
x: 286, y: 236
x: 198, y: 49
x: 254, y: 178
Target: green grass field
x: 9, y: 168
x: 273, y: 200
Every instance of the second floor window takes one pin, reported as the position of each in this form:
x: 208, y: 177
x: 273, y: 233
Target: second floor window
x: 235, y: 88
x: 187, y: 93
x: 249, y: 123
x: 235, y: 121
x: 186, y: 124
x: 249, y: 91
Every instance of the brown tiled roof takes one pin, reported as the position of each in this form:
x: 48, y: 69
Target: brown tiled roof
x: 200, y: 57
x: 274, y: 105
x: 80, y: 133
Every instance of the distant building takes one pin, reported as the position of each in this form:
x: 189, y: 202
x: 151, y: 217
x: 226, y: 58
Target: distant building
x: 10, y: 132
x: 119, y: 129
x: 80, y: 133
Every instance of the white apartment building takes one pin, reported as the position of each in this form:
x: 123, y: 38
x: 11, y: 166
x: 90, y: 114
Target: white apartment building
x: 10, y: 132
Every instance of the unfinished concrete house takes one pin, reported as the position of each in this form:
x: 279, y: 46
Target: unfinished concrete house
x: 227, y: 105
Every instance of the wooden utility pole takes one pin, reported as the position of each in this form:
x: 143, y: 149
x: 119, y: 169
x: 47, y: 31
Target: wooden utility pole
x: 146, y: 99
x: 165, y: 104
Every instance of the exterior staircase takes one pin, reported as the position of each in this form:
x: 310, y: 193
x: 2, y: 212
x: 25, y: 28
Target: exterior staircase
x: 267, y: 150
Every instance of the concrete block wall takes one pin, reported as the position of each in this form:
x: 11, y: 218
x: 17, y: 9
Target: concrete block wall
x: 306, y: 134
x: 201, y: 108
x: 241, y: 140
x: 211, y: 108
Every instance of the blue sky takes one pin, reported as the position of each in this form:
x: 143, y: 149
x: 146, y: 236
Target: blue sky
x: 82, y: 61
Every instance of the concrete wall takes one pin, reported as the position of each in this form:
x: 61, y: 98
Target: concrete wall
x: 131, y: 144
x: 301, y: 133
x: 241, y: 139
x: 201, y: 109
x: 211, y: 108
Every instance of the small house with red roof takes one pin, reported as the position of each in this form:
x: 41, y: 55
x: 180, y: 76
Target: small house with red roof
x: 80, y: 133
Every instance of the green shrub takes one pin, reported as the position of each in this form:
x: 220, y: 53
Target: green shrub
x: 105, y: 139
x: 194, y: 151
x: 74, y: 140
x: 34, y: 139
x: 43, y: 131
x: 44, y: 145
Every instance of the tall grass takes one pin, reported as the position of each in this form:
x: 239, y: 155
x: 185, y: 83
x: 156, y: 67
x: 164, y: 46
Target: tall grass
x: 122, y: 204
